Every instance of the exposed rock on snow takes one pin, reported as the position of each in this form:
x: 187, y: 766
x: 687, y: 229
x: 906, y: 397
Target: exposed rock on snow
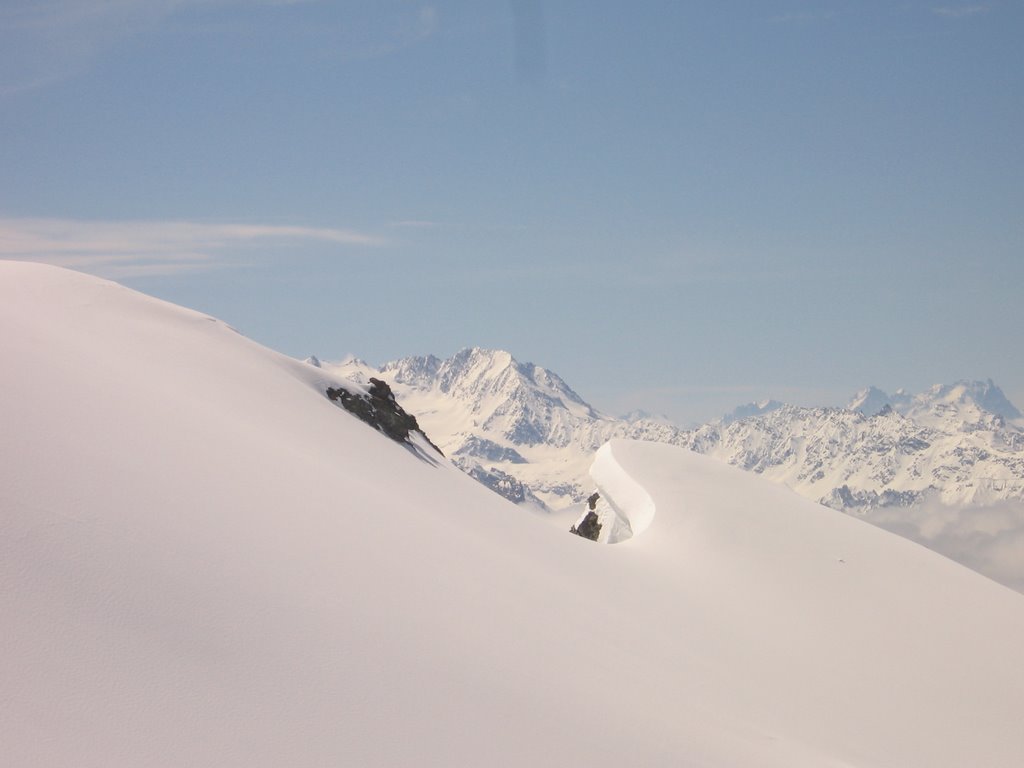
x: 378, y: 408
x: 505, y: 485
x: 602, y: 521
x: 588, y: 526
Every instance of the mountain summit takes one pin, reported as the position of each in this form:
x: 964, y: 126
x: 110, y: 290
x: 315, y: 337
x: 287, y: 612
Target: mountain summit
x: 521, y: 402
x: 964, y: 400
x: 516, y: 427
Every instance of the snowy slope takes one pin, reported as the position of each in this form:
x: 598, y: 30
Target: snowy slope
x: 778, y: 587
x: 204, y: 561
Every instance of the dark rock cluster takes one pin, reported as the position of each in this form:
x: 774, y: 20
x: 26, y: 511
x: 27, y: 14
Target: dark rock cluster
x: 846, y: 499
x: 504, y: 484
x: 589, y: 527
x: 482, y: 448
x: 380, y: 410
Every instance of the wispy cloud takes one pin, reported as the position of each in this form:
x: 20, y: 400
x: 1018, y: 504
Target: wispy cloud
x: 988, y: 539
x: 136, y: 248
x: 961, y: 11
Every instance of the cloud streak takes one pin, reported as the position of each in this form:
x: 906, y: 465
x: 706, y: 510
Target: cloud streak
x: 137, y: 248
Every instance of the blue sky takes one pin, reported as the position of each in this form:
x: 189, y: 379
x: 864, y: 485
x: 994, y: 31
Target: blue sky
x: 679, y: 206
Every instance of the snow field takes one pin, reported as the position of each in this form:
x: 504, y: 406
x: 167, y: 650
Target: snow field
x: 203, y: 561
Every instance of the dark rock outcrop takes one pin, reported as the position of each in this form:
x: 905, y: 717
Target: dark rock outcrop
x: 505, y: 485
x: 380, y: 410
x: 589, y: 527
x: 482, y: 448
x: 859, y: 501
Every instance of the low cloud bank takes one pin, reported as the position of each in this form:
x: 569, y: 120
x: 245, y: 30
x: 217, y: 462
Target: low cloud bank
x: 988, y: 539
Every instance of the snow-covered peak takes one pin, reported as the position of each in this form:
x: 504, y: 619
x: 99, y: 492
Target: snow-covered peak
x: 967, y: 396
x: 475, y: 371
x: 521, y: 402
x: 748, y: 410
x: 639, y: 415
x: 963, y: 401
x: 413, y: 371
x: 352, y: 368
x: 872, y: 400
x: 869, y: 401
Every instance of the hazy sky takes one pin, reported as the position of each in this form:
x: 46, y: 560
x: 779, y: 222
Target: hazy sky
x: 679, y: 206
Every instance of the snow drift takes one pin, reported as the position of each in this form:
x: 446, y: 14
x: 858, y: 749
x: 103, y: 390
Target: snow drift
x: 204, y: 561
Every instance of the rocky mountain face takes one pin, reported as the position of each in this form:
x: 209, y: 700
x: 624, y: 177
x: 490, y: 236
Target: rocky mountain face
x: 378, y: 408
x: 968, y: 401
x: 517, y: 427
x: 949, y: 450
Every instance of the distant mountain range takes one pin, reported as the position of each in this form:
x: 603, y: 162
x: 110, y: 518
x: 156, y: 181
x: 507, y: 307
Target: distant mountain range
x: 959, y: 444
x: 522, y: 429
x: 910, y: 463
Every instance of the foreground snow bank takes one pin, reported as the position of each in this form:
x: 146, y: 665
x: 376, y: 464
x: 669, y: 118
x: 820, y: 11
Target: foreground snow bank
x: 203, y: 561
x: 814, y: 608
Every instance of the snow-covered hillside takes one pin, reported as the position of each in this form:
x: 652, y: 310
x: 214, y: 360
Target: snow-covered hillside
x: 205, y: 561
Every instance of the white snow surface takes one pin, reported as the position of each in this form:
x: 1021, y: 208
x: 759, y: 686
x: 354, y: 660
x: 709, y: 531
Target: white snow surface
x: 205, y: 562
